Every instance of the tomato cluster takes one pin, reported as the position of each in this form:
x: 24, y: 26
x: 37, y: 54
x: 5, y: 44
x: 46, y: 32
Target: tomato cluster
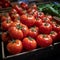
x: 25, y: 27
x: 4, y: 4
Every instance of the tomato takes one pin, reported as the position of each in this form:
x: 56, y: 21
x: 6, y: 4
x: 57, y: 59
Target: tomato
x: 56, y: 27
x: 18, y: 31
x: 58, y: 36
x: 45, y: 28
x: 29, y: 43
x: 38, y: 22
x: 50, y: 17
x: 24, y: 5
x: 41, y: 15
x: 33, y: 6
x: 28, y: 20
x: 7, y: 4
x: 33, y: 32
x: 45, y: 19
x: 5, y: 37
x: 33, y: 12
x: 12, y: 11
x: 5, y: 17
x: 6, y: 24
x: 15, y: 46
x: 53, y: 35
x: 18, y: 9
x: 14, y: 16
x: 44, y: 40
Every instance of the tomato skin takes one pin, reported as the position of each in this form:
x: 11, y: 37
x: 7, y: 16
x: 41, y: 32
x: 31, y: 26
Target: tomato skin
x: 41, y: 15
x: 24, y: 5
x: 45, y: 28
x: 6, y: 24
x: 56, y: 27
x: 15, y: 16
x: 29, y: 44
x: 5, y: 17
x: 33, y: 32
x: 38, y: 22
x: 28, y: 20
x: 5, y: 37
x: 18, y: 31
x: 50, y: 17
x: 44, y: 40
x: 58, y: 35
x: 53, y: 35
x: 14, y: 47
x: 45, y: 19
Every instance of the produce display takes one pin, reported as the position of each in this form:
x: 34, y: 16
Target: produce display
x: 25, y: 28
x: 4, y: 4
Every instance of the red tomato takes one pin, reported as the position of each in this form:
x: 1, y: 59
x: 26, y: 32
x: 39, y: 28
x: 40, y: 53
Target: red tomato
x: 41, y: 15
x: 24, y: 5
x: 18, y: 9
x: 33, y: 6
x: 5, y: 37
x: 28, y: 20
x: 45, y: 19
x: 44, y: 40
x: 53, y: 35
x: 12, y: 11
x: 18, y: 31
x: 45, y: 28
x: 14, y: 47
x: 38, y: 22
x: 7, y: 4
x: 29, y: 43
x: 58, y: 36
x: 33, y: 32
x: 50, y: 17
x: 33, y: 12
x: 6, y: 24
x: 5, y: 17
x: 14, y: 16
x: 56, y: 27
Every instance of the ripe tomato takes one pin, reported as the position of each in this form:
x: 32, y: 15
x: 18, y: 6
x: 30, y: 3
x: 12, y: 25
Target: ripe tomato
x: 29, y: 43
x: 44, y: 40
x: 56, y: 27
x: 33, y: 32
x: 28, y: 20
x: 14, y: 16
x: 41, y: 15
x: 33, y: 6
x: 58, y: 36
x: 24, y: 5
x: 33, y: 12
x: 12, y: 11
x: 14, y: 47
x: 5, y: 17
x: 53, y: 35
x: 45, y: 28
x: 38, y: 22
x: 50, y: 17
x: 18, y: 31
x: 5, y: 37
x: 6, y: 24
x: 18, y: 9
x: 45, y: 19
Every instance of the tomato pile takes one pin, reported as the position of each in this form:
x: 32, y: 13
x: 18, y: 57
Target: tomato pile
x: 25, y: 28
x: 4, y: 4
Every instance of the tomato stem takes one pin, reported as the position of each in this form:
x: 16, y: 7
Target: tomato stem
x: 30, y: 38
